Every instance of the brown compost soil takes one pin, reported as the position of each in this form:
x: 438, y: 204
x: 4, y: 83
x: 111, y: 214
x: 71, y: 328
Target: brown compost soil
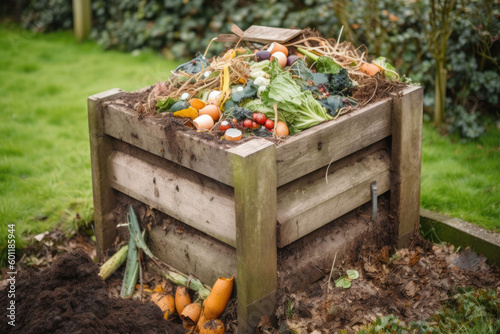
x: 70, y: 297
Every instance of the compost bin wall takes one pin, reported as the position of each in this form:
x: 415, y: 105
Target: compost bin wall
x: 244, y: 207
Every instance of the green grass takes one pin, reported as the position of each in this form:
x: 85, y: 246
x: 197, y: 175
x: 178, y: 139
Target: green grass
x: 45, y: 177
x: 462, y: 179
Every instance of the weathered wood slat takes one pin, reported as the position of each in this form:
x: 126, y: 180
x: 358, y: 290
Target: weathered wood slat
x: 100, y: 144
x: 181, y: 147
x: 316, y: 147
x: 185, y: 195
x: 310, y: 202
x: 268, y: 34
x: 193, y: 253
x: 406, y: 162
x: 255, y: 204
x: 306, y: 260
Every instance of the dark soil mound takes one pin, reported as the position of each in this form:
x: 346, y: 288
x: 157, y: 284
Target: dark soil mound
x: 70, y: 297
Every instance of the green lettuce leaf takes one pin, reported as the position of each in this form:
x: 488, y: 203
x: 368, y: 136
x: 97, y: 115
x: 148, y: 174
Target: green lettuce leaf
x: 299, y: 108
x: 165, y: 105
x: 389, y: 70
x: 326, y: 64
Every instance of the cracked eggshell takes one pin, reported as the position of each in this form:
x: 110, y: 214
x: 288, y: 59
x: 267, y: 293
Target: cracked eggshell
x: 204, y: 122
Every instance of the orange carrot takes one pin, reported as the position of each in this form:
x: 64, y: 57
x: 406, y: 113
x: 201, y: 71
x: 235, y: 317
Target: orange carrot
x: 369, y: 69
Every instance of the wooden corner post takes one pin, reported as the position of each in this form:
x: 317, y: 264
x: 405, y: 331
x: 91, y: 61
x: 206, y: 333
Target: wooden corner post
x: 255, y: 193
x: 407, y: 111
x: 100, y: 151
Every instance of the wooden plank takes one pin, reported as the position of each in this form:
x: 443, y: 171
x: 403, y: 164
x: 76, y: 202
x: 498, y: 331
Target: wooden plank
x: 192, y: 198
x: 193, y: 253
x: 406, y: 162
x: 309, y: 258
x: 269, y: 34
x: 100, y: 149
x: 181, y: 147
x: 82, y: 19
x: 256, y: 252
x: 316, y: 147
x: 310, y: 202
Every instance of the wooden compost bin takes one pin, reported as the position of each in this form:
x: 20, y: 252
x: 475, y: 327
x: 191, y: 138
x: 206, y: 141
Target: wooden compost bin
x: 254, y: 199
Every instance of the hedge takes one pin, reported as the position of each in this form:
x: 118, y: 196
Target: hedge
x: 397, y: 30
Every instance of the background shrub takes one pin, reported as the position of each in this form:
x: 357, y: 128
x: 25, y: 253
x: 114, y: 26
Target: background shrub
x: 396, y: 30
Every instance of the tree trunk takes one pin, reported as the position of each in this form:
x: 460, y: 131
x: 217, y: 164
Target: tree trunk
x: 440, y: 92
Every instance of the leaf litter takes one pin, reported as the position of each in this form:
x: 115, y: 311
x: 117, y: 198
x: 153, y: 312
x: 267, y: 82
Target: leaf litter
x: 412, y: 284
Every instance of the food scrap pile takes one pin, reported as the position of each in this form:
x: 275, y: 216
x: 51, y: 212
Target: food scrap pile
x: 274, y: 89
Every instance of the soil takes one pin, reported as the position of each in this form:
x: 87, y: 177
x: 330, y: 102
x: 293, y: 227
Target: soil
x: 70, y: 297
x: 410, y: 283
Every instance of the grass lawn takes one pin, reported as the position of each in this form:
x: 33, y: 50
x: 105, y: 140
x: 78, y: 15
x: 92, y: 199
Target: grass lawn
x: 462, y: 179
x: 45, y: 177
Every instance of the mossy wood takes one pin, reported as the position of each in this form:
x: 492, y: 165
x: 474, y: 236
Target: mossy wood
x: 240, y: 207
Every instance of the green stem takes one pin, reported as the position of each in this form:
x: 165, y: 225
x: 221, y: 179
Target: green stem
x: 113, y: 263
x: 308, y: 54
x: 183, y: 280
x: 131, y: 270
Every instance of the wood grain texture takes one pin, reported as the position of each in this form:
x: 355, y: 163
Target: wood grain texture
x: 328, y: 142
x: 256, y: 250
x: 406, y: 162
x: 193, y: 253
x: 181, y: 147
x: 309, y: 258
x: 310, y: 202
x: 269, y: 34
x: 194, y: 199
x: 99, y: 153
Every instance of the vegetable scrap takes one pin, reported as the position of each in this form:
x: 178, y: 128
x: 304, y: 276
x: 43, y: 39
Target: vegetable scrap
x: 200, y: 316
x: 273, y: 90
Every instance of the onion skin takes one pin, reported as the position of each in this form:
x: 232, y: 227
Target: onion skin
x: 291, y: 59
x: 262, y: 55
x: 281, y: 129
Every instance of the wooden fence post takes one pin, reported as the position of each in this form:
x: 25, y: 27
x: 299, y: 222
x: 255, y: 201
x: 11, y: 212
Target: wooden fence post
x: 255, y: 193
x: 82, y: 19
x: 407, y: 111
x: 100, y: 151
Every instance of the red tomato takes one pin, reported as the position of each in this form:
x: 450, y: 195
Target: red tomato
x: 254, y: 115
x: 255, y: 125
x: 269, y: 124
x: 224, y: 125
x: 247, y: 123
x: 261, y: 119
